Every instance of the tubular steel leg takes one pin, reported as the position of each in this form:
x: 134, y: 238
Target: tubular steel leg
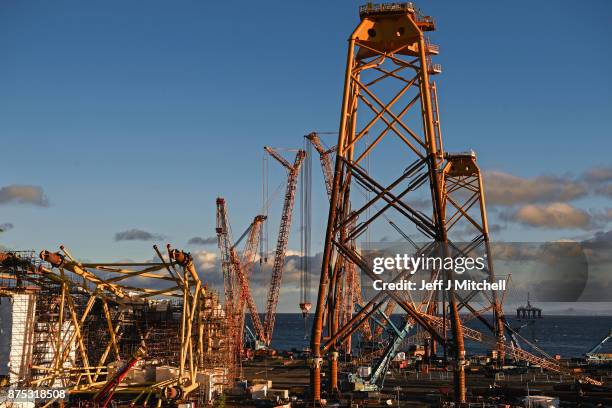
x: 333, y: 371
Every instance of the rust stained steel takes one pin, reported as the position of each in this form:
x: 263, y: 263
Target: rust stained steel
x: 283, y: 237
x: 410, y: 309
x: 389, y: 309
x: 421, y: 221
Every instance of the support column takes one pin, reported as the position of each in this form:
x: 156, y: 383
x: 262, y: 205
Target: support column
x: 315, y: 378
x: 333, y: 371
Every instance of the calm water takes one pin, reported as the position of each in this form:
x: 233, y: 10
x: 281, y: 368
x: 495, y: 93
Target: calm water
x: 570, y: 336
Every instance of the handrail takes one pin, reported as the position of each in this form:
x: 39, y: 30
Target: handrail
x: 386, y: 7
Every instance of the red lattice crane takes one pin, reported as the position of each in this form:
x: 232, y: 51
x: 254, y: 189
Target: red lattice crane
x: 224, y: 240
x: 283, y: 237
x: 244, y: 269
x: 236, y: 272
x: 104, y: 397
x: 326, y: 161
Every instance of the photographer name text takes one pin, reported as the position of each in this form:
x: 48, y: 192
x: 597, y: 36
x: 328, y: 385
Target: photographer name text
x: 439, y: 284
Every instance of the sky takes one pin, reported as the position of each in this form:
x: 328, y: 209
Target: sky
x: 121, y: 122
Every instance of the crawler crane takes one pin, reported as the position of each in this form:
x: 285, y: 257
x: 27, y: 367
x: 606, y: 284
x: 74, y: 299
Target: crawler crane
x: 237, y: 272
x: 283, y: 237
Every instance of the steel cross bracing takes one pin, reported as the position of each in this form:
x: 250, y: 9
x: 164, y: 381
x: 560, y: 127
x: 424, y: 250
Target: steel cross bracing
x: 465, y: 206
x: 350, y: 289
x: 513, y: 352
x: 352, y: 296
x: 388, y: 50
x: 283, y: 238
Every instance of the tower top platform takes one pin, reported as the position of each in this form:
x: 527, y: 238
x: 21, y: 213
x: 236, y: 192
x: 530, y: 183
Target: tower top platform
x: 370, y: 9
x: 374, y: 10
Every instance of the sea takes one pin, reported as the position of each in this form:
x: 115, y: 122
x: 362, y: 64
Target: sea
x: 568, y: 336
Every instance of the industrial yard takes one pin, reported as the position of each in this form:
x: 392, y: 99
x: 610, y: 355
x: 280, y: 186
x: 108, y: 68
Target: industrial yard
x: 158, y: 333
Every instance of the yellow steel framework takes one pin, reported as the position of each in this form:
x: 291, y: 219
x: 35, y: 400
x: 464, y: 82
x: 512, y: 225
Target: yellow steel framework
x: 92, y: 315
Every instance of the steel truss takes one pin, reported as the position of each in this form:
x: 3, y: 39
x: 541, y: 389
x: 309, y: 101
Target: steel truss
x: 91, y: 318
x: 389, y: 57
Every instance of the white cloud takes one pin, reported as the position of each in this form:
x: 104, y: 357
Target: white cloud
x: 555, y: 216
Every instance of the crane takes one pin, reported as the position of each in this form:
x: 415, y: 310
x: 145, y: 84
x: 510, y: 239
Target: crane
x: 594, y: 355
x: 377, y: 378
x: 224, y: 240
x: 244, y: 268
x: 283, y: 237
x: 103, y: 397
x: 236, y: 272
x: 325, y: 159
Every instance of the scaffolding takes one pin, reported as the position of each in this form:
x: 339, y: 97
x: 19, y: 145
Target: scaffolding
x: 77, y: 325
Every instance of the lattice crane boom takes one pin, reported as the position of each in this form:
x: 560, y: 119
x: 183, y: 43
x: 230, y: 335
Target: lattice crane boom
x: 283, y: 237
x: 244, y: 268
x: 325, y: 159
x: 224, y: 240
x: 236, y: 272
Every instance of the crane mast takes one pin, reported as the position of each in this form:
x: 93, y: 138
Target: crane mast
x: 325, y: 159
x: 236, y: 273
x: 224, y: 240
x: 283, y: 237
x: 244, y: 268
x: 104, y: 397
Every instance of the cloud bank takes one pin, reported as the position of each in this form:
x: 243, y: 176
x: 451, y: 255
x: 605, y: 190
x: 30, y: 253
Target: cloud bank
x: 23, y: 194
x: 6, y: 226
x: 202, y: 241
x: 554, y: 216
x: 135, y: 234
x: 506, y: 189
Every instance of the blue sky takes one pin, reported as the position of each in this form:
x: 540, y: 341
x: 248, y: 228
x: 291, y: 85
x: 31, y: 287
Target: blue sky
x: 138, y: 114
